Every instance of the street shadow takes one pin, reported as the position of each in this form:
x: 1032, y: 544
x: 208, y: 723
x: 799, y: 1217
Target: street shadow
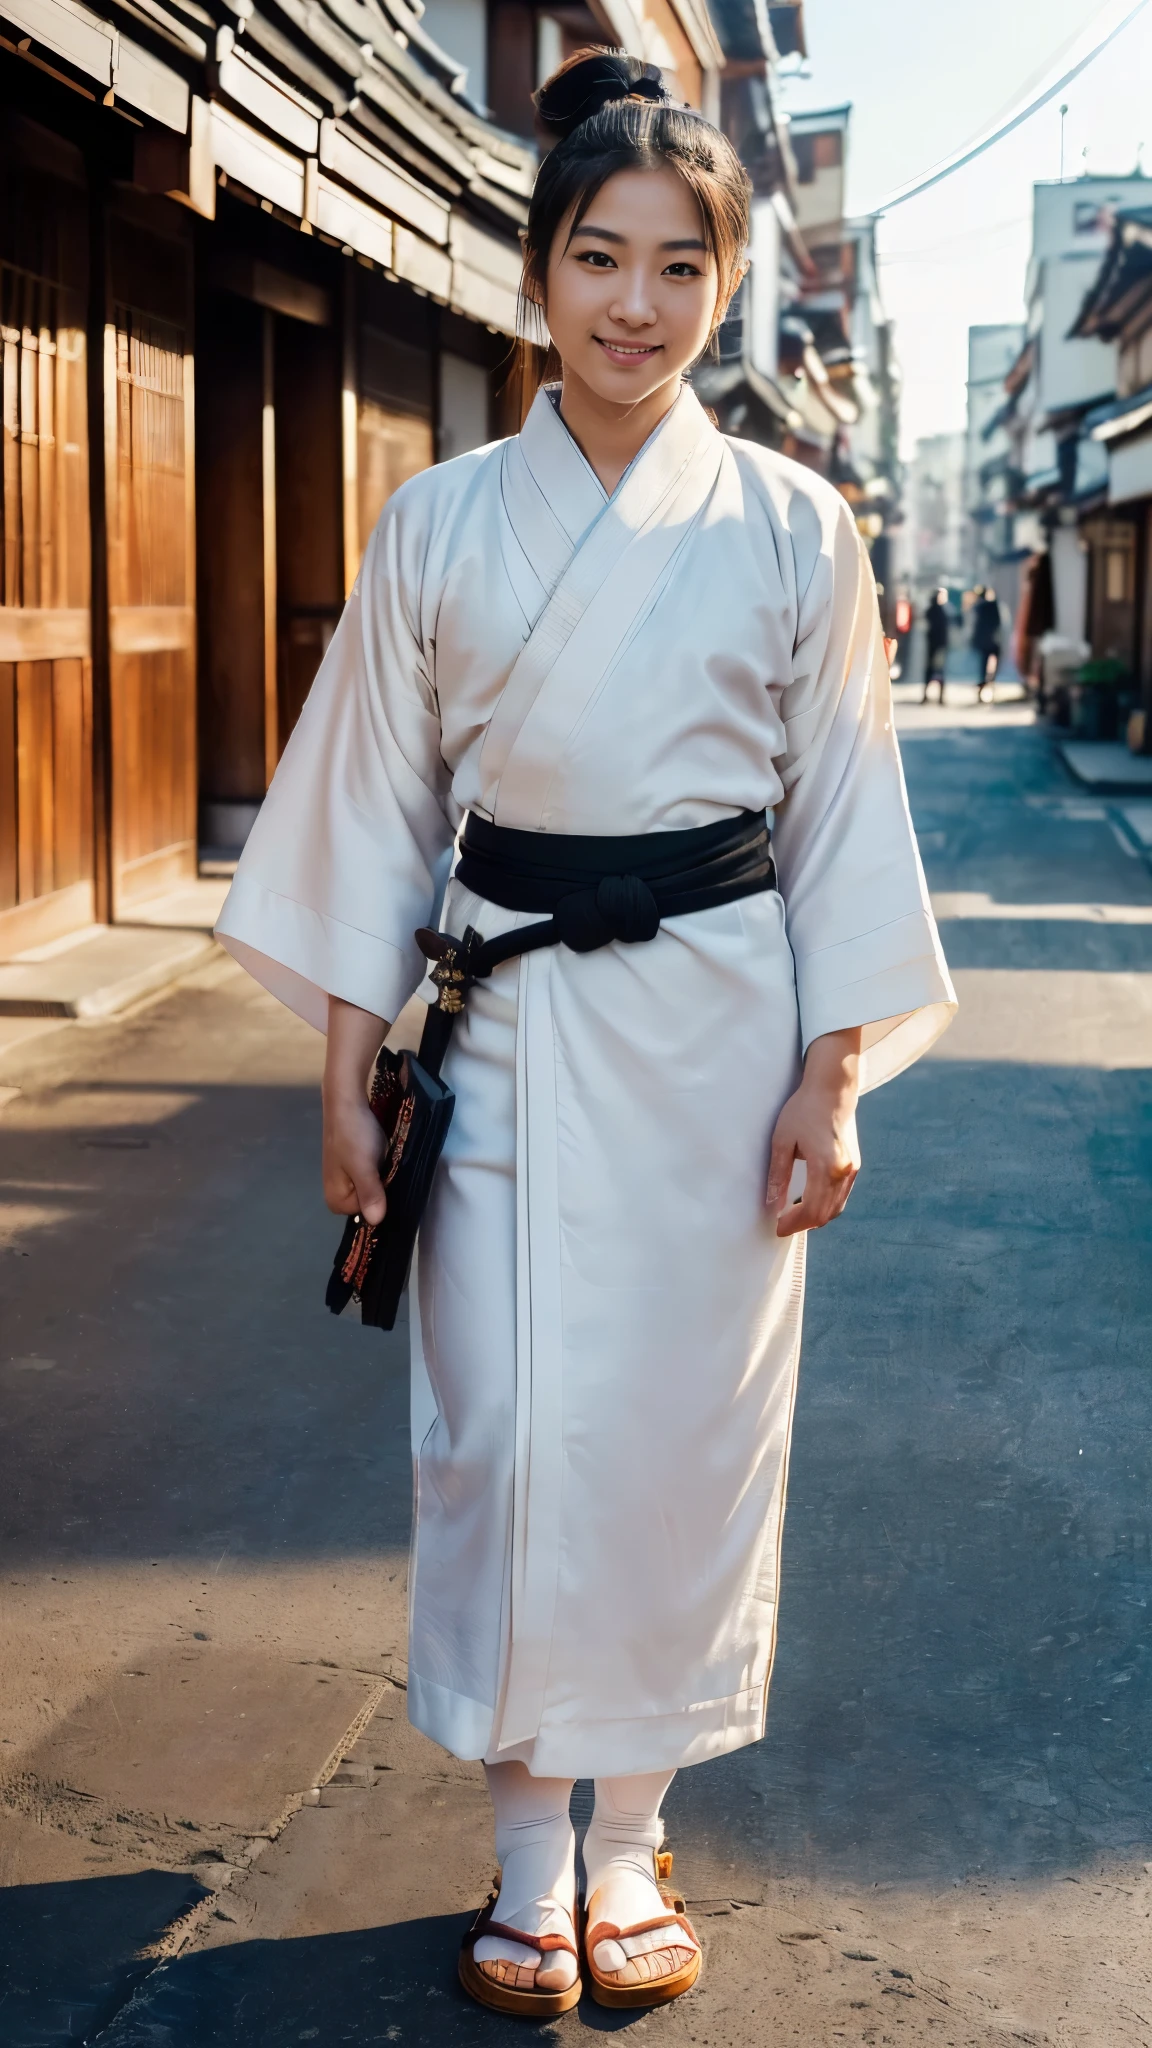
x: 71, y: 1954
x: 173, y: 1384
x: 378, y: 1984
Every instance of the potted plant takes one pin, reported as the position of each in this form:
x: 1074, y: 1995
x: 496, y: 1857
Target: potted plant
x: 1100, y: 698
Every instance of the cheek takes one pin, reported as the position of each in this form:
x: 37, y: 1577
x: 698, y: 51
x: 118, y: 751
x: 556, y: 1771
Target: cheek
x: 691, y: 315
x: 564, y: 301
x: 576, y: 301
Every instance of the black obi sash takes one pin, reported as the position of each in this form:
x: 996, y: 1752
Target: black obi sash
x: 595, y: 889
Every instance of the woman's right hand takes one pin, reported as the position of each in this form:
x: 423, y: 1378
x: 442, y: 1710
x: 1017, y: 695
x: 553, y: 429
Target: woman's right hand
x: 353, y: 1140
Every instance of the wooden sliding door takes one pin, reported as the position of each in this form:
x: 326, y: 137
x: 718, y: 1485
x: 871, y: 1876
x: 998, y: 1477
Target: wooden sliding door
x: 46, y: 854
x: 309, y: 557
x: 151, y: 559
x: 237, y: 693
x: 396, y: 437
x: 271, y: 555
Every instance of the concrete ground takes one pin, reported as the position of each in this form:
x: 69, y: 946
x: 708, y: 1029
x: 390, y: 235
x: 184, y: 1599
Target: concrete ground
x: 942, y: 1839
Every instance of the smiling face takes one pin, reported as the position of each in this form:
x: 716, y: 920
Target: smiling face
x: 631, y: 293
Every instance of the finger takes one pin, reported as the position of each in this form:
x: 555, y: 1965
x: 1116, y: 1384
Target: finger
x: 780, y: 1163
x: 817, y: 1203
x: 824, y: 1198
x: 340, y: 1193
x: 807, y: 1213
x: 370, y: 1197
x: 842, y: 1187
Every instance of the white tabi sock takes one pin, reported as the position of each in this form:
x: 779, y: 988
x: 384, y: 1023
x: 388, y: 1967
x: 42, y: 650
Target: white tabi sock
x: 619, y: 1850
x: 536, y: 1849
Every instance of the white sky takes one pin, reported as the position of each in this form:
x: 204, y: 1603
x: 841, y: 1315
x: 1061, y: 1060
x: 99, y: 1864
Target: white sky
x: 924, y: 76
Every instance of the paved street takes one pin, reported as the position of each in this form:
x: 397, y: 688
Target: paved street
x: 204, y: 1503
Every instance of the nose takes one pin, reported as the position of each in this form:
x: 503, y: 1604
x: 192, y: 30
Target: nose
x: 632, y: 305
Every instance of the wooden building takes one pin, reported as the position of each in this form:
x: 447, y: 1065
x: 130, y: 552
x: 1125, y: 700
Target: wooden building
x: 259, y: 263
x: 1118, y: 540
x: 257, y: 266
x: 1062, y: 495
x: 805, y: 360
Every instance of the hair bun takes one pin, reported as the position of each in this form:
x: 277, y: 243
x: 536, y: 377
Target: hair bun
x: 590, y: 81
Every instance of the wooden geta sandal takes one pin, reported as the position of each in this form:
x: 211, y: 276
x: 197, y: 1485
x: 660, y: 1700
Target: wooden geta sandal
x: 658, y: 1990
x: 529, y: 2004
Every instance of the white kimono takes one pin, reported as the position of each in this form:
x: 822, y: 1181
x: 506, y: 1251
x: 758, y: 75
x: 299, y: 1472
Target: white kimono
x: 607, y: 1321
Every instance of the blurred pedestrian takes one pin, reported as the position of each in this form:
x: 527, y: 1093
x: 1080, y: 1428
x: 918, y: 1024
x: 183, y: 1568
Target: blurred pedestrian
x: 986, y: 628
x: 936, y: 623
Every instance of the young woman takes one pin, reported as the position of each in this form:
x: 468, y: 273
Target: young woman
x: 610, y: 645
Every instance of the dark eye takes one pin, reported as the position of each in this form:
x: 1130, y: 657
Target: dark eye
x: 683, y: 269
x: 598, y: 258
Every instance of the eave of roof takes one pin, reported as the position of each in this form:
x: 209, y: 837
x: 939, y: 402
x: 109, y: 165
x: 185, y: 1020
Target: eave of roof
x: 1021, y: 369
x: 379, y: 85
x: 352, y: 142
x: 1122, y: 416
x: 1124, y: 274
x: 817, y: 120
x: 745, y: 30
x: 1066, y: 416
x: 1037, y: 488
x: 714, y: 381
x: 787, y: 19
x: 399, y: 70
x: 1000, y: 418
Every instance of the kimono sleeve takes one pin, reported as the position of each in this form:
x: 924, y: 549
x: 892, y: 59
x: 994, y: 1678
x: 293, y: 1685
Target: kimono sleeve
x: 859, y: 920
x: 350, y: 851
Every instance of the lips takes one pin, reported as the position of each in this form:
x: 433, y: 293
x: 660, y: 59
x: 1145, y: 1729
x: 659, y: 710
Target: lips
x: 624, y: 352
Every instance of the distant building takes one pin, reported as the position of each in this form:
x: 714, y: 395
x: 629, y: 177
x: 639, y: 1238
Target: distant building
x: 816, y: 360
x: 1058, y: 470
x: 871, y: 477
x: 806, y: 361
x: 738, y: 378
x: 990, y: 540
x: 937, y: 525
x: 1118, y: 311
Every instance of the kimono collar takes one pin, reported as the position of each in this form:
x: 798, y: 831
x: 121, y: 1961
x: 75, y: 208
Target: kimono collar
x: 569, y: 484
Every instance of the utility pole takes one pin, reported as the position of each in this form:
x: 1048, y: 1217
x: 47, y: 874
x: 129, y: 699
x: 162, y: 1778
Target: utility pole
x: 1063, y: 114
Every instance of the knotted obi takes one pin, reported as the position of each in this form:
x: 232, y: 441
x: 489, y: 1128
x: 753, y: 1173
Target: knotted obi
x: 594, y: 889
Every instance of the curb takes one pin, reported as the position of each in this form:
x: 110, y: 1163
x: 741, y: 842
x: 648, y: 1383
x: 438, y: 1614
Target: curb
x: 26, y: 988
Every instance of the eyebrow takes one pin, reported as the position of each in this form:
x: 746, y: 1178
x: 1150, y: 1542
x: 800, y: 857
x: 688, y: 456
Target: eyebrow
x: 610, y: 235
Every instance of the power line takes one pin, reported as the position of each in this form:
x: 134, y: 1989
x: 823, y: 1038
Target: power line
x: 976, y: 148
x: 1037, y: 79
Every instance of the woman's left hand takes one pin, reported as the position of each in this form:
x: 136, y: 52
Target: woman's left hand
x: 818, y: 1125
